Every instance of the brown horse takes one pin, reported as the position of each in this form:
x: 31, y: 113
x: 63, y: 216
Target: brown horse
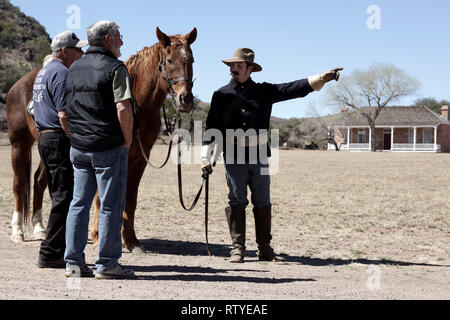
x: 156, y: 71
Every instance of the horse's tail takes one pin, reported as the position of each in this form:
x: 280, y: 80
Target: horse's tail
x: 21, y: 139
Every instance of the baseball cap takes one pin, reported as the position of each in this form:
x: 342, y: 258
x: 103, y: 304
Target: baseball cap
x: 67, y: 39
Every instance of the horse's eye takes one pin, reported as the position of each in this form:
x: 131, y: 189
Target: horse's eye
x: 169, y: 61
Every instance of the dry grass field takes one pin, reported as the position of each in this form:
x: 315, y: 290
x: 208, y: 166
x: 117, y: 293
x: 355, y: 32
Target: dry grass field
x: 351, y: 226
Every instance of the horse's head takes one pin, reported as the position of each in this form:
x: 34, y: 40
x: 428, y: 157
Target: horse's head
x: 175, y: 64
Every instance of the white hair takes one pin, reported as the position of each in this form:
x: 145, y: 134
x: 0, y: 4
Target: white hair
x: 96, y: 33
x: 48, y: 59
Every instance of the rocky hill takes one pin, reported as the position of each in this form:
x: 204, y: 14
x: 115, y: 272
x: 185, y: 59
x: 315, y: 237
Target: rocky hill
x: 23, y: 45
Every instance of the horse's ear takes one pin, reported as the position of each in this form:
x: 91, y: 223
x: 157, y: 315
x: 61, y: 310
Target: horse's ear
x: 191, y: 36
x: 162, y: 37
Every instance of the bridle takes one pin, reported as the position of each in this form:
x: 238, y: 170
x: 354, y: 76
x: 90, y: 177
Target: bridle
x: 173, y: 81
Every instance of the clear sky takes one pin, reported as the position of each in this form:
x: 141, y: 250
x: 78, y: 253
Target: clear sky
x: 292, y: 39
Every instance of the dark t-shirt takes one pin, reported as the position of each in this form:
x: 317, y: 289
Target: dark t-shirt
x: 248, y: 106
x: 49, y: 95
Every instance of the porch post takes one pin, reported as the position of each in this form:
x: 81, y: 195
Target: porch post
x: 435, y: 138
x: 415, y: 138
x: 392, y: 138
x: 370, y: 138
x: 348, y: 139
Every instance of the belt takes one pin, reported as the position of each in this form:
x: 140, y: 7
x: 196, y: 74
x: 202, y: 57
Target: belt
x: 250, y: 141
x: 51, y: 131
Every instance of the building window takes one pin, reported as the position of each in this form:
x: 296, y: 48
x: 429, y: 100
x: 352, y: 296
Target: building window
x: 361, y: 135
x: 410, y: 136
x: 427, y: 135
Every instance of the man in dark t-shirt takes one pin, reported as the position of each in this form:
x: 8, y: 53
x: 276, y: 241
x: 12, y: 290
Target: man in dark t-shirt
x: 49, y: 95
x: 50, y: 115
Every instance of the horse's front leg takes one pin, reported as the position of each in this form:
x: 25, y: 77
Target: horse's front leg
x: 136, y: 167
x: 135, y: 170
x: 40, y: 184
x: 94, y: 229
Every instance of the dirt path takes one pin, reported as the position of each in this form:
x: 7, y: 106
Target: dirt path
x: 404, y: 256
x: 176, y: 270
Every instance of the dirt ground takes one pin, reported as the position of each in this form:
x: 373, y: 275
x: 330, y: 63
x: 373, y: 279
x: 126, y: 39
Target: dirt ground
x: 350, y: 225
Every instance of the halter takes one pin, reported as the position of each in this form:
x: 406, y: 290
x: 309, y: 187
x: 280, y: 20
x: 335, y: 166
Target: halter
x: 171, y: 82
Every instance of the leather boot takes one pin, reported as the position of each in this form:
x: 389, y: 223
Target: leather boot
x: 263, y: 224
x: 236, y: 223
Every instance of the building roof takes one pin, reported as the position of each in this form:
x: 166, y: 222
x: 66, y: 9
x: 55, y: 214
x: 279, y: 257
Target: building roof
x: 392, y: 116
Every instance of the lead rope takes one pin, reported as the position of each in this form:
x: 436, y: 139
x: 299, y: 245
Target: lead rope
x: 205, y: 183
x: 169, y: 127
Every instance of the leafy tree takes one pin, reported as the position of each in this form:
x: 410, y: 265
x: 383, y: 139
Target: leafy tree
x: 289, y: 131
x: 8, y: 78
x: 432, y: 103
x: 198, y: 113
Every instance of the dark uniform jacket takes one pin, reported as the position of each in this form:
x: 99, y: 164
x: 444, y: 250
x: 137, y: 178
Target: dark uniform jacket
x: 92, y: 113
x: 248, y: 105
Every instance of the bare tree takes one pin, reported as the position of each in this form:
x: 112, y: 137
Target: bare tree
x: 323, y: 129
x: 325, y: 126
x: 377, y: 87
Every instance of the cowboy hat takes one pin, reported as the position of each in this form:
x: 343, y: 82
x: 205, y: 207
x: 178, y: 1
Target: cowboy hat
x: 244, y: 55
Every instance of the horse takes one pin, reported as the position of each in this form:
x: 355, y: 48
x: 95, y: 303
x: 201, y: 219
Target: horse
x: 156, y: 71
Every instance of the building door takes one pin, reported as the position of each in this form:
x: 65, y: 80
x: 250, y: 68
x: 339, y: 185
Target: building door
x: 387, y: 141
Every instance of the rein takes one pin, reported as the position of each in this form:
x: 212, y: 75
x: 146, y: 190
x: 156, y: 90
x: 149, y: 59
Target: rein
x: 169, y: 126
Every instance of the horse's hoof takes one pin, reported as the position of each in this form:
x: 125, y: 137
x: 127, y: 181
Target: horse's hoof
x: 17, y: 238
x: 138, y: 250
x: 41, y: 235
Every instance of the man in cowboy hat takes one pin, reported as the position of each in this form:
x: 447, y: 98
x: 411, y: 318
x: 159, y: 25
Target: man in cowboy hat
x: 246, y: 106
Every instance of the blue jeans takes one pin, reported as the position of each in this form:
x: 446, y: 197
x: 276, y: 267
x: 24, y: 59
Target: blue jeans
x: 106, y: 172
x: 239, y: 176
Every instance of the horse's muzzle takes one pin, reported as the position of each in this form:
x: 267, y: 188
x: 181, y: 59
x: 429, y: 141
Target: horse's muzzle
x: 185, y: 102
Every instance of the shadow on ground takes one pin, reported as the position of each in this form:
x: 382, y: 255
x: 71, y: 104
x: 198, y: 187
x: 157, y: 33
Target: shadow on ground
x: 186, y: 273
x: 187, y: 248
x: 208, y: 274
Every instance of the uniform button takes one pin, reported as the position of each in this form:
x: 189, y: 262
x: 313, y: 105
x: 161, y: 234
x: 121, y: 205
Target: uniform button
x: 244, y: 124
x: 243, y: 110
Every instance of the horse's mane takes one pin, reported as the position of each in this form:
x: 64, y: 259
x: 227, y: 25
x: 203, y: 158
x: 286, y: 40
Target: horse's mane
x: 144, y: 59
x: 144, y: 66
x: 144, y: 56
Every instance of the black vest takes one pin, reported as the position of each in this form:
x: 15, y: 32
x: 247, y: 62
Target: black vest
x: 92, y: 113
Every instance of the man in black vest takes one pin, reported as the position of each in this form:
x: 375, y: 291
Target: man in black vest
x: 101, y: 123
x: 240, y: 112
